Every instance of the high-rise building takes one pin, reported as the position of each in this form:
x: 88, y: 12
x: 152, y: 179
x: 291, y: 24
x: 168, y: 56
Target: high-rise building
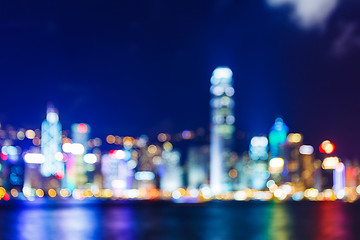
x: 80, y: 136
x: 51, y: 144
x: 339, y: 180
x: 258, y: 153
x: 222, y: 128
x: 172, y: 176
x: 32, y: 170
x: 277, y: 139
x: 117, y: 171
x: 277, y: 136
x: 197, y: 166
x: 292, y: 158
x: 307, y: 166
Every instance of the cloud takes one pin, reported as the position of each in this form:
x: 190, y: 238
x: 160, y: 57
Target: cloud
x: 348, y: 39
x: 308, y: 14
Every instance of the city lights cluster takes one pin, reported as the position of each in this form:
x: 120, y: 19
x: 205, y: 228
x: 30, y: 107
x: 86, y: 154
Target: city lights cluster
x: 190, y: 166
x: 132, y: 151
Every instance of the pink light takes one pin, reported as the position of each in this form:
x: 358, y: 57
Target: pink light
x: 4, y: 156
x: 340, y: 167
x: 82, y: 128
x: 59, y: 174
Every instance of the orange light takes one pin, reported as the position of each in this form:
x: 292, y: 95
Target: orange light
x: 52, y: 193
x: 110, y: 139
x: 233, y: 173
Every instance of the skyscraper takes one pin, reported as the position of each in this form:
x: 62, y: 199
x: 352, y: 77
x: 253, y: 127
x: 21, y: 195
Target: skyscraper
x: 258, y: 153
x: 51, y: 144
x: 277, y: 136
x: 171, y: 179
x: 197, y: 165
x: 277, y: 139
x: 222, y: 127
x: 80, y: 136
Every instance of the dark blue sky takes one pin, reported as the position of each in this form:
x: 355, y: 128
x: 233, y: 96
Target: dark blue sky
x: 133, y: 67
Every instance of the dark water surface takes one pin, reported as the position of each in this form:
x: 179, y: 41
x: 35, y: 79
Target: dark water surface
x: 163, y: 220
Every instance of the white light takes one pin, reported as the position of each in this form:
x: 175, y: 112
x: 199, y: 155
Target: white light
x: 74, y: 148
x: 229, y: 91
x: 259, y: 142
x: 144, y: 176
x: 218, y: 90
x: 270, y: 183
x: 218, y: 119
x: 308, y: 13
x: 306, y: 149
x: 11, y: 150
x: 286, y: 188
x: 131, y: 164
x: 225, y: 100
x: 206, y: 192
x: 90, y: 158
x: 176, y: 194
x: 36, y: 158
x: 297, y: 196
x: 280, y: 194
x: 95, y: 189
x: 230, y: 119
x: 118, y: 183
x: 77, y: 149
x: 52, y: 117
x: 26, y: 190
x: 66, y: 147
x: 276, y: 162
x: 222, y: 72
x: 216, y: 103
x: 132, y: 193
x: 120, y: 154
x: 59, y: 156
x: 311, y: 193
x: 141, y: 142
x: 194, y: 193
x: 240, y: 195
x: 358, y: 189
x: 330, y: 163
x: 340, y: 194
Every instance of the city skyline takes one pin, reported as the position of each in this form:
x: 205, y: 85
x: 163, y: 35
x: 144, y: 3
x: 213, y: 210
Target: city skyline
x: 123, y: 78
x: 189, y: 166
x: 209, y: 119
x: 240, y: 136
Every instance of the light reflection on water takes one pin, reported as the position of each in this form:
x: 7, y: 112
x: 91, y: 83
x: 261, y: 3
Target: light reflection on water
x: 159, y: 220
x: 333, y: 222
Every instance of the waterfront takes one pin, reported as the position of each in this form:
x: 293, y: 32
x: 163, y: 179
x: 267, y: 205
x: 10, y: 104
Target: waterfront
x: 166, y: 220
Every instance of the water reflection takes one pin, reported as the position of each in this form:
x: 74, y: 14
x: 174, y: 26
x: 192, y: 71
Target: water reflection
x: 117, y: 222
x: 280, y: 223
x: 332, y: 221
x: 49, y: 222
x: 208, y: 221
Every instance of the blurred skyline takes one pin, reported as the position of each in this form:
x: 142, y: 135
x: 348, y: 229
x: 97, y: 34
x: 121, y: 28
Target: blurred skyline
x: 134, y: 67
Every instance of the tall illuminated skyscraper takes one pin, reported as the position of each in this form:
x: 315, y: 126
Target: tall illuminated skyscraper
x: 222, y: 127
x: 258, y: 153
x: 171, y: 179
x: 51, y: 144
x: 277, y: 136
x: 278, y: 162
x: 80, y: 133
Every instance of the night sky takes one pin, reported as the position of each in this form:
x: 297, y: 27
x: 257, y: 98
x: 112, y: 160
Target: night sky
x: 131, y: 67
